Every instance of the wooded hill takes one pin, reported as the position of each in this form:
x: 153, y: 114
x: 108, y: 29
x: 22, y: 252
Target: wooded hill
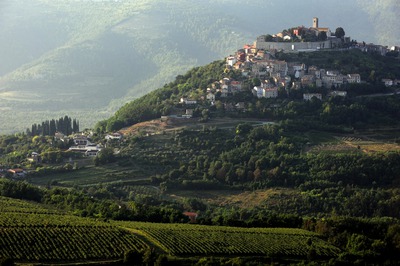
x: 347, y: 112
x: 329, y: 167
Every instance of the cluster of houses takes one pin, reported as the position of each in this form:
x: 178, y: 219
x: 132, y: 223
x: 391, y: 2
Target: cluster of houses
x: 81, y: 144
x: 222, y: 88
x: 391, y: 82
x: 258, y: 61
x: 275, y: 74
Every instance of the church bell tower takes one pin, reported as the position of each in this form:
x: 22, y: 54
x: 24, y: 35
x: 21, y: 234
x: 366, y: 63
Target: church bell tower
x: 315, y: 22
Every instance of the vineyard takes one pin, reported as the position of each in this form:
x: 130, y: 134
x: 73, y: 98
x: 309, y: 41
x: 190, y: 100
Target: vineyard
x: 190, y: 240
x: 67, y: 243
x: 15, y: 205
x: 31, y: 233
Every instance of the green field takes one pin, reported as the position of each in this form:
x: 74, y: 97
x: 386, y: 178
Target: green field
x: 29, y: 233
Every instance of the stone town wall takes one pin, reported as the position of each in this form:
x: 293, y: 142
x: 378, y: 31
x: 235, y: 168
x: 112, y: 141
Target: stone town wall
x: 295, y: 46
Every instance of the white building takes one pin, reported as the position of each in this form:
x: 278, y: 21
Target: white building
x: 188, y: 101
x: 210, y: 97
x: 270, y: 93
x: 258, y: 91
x: 231, y: 60
x: 338, y: 93
x: 117, y: 136
x: 353, y: 78
x: 309, y: 96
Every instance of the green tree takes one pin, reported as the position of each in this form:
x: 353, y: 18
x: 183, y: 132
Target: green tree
x: 322, y: 36
x: 105, y: 156
x: 339, y: 33
x: 269, y: 38
x: 256, y: 82
x: 205, y: 115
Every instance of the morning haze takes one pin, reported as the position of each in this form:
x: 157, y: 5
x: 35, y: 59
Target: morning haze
x: 87, y: 58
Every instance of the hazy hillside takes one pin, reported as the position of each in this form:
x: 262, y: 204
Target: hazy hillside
x: 86, y: 58
x: 383, y: 15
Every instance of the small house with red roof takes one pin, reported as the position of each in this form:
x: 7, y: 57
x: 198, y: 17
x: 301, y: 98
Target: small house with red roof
x: 192, y: 216
x: 17, y: 172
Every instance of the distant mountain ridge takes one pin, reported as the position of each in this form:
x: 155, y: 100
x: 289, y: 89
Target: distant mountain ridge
x: 87, y: 58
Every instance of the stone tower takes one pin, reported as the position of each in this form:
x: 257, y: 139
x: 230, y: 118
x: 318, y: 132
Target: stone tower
x: 315, y: 22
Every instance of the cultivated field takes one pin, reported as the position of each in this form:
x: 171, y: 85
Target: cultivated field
x: 29, y: 233
x: 368, y: 141
x: 189, y: 240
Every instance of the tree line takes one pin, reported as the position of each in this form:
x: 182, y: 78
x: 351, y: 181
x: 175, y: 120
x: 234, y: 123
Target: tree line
x: 65, y: 125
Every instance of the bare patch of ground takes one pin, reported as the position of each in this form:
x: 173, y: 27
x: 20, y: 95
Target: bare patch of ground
x: 245, y: 199
x: 157, y: 126
x: 366, y: 143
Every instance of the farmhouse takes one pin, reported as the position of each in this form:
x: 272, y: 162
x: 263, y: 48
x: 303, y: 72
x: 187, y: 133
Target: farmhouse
x: 17, y: 172
x: 116, y: 136
x: 191, y: 215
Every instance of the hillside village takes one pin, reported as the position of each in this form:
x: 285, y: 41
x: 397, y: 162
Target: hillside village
x: 279, y: 154
x: 257, y: 70
x: 258, y: 62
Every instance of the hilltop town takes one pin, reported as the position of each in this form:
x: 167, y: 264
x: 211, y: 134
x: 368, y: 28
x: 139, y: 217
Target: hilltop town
x: 251, y: 79
x: 302, y: 143
x: 258, y: 62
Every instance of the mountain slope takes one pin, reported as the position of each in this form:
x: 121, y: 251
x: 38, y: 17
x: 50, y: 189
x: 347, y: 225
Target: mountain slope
x: 383, y: 14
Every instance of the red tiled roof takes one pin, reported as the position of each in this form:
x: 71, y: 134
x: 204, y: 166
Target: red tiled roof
x: 190, y: 214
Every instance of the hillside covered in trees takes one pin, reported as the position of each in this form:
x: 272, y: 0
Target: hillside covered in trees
x: 326, y: 166
x: 289, y: 105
